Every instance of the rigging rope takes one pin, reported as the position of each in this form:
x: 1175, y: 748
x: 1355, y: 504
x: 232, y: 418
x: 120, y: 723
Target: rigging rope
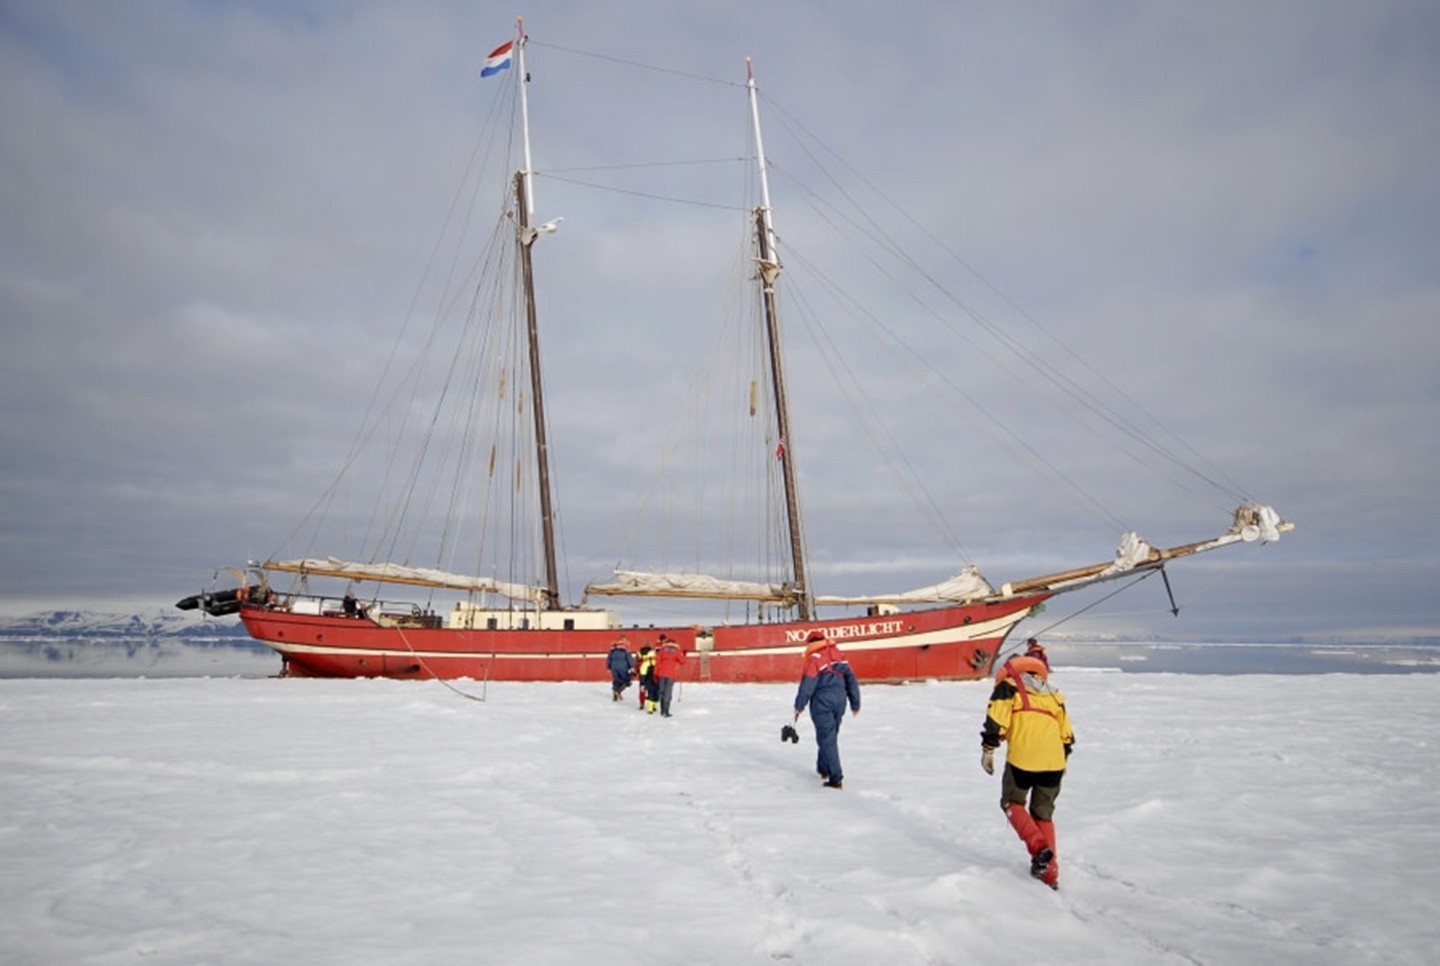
x: 634, y: 63
x: 464, y: 694
x: 1000, y: 657
x: 640, y: 194
x: 1049, y: 372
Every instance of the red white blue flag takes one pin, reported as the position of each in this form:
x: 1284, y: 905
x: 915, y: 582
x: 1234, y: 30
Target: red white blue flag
x: 498, y: 60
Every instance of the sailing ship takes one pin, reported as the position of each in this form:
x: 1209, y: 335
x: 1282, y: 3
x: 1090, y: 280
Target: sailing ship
x: 478, y: 625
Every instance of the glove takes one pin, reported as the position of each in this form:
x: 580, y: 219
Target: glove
x: 987, y: 760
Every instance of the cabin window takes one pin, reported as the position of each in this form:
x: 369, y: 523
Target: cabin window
x: 492, y: 623
x: 569, y: 623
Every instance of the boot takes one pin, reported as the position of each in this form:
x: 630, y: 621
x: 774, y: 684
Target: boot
x: 1050, y: 875
x: 1026, y: 828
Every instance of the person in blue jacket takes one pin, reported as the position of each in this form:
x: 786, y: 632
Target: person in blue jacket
x: 826, y: 686
x: 622, y: 665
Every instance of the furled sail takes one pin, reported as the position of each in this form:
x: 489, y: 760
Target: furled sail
x: 1251, y: 522
x: 392, y: 573
x: 968, y: 584
x: 1130, y: 554
x: 629, y: 583
x: 1259, y: 522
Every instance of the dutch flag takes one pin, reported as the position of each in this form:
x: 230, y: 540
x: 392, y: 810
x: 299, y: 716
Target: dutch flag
x: 498, y: 60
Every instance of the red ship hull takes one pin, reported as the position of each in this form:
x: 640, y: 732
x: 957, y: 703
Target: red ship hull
x: 957, y: 643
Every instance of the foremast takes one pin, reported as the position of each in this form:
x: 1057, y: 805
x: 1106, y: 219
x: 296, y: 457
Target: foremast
x: 767, y: 271
x: 526, y: 233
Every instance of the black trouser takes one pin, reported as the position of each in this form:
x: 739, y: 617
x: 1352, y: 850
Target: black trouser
x: 1040, y: 787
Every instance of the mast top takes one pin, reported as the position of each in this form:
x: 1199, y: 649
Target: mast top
x: 528, y: 171
x: 770, y: 262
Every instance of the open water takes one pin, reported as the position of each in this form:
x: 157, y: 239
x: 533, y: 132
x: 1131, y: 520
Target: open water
x: 1147, y: 657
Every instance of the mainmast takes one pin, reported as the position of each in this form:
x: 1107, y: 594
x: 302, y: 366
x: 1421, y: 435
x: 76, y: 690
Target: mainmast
x: 525, y: 214
x: 768, y: 265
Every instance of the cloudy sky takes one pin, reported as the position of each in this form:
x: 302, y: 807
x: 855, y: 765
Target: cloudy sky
x: 211, y: 213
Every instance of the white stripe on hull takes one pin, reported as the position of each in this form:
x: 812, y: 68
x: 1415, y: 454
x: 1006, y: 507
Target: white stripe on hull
x: 942, y: 636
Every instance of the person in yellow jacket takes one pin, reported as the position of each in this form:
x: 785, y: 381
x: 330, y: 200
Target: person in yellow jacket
x: 1028, y: 713
x: 645, y: 673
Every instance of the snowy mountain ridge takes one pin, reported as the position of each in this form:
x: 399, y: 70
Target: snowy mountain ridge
x: 146, y: 622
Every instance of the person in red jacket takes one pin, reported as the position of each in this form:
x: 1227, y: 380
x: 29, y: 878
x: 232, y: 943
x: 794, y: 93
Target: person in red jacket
x: 1028, y: 713
x: 668, y: 658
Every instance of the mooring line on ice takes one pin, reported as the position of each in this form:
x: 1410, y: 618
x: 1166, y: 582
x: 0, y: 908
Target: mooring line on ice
x: 469, y: 697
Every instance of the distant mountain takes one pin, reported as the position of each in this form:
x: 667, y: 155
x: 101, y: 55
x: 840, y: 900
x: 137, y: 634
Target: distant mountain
x: 155, y: 622
x: 152, y: 643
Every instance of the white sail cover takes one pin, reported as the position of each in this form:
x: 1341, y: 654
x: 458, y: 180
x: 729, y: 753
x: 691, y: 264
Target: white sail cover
x: 1267, y: 525
x: 968, y: 584
x: 1130, y: 554
x: 1252, y: 522
x: 636, y: 583
x: 399, y: 573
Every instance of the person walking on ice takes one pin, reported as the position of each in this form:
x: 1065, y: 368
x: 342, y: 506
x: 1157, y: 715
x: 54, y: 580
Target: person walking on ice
x: 645, y: 675
x: 668, y: 658
x: 622, y: 665
x: 826, y: 684
x: 1028, y: 712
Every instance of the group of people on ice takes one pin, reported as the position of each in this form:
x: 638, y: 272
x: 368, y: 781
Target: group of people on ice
x: 1025, y: 712
x: 654, y: 668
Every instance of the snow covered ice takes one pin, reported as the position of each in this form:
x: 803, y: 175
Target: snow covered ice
x: 1205, y: 819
